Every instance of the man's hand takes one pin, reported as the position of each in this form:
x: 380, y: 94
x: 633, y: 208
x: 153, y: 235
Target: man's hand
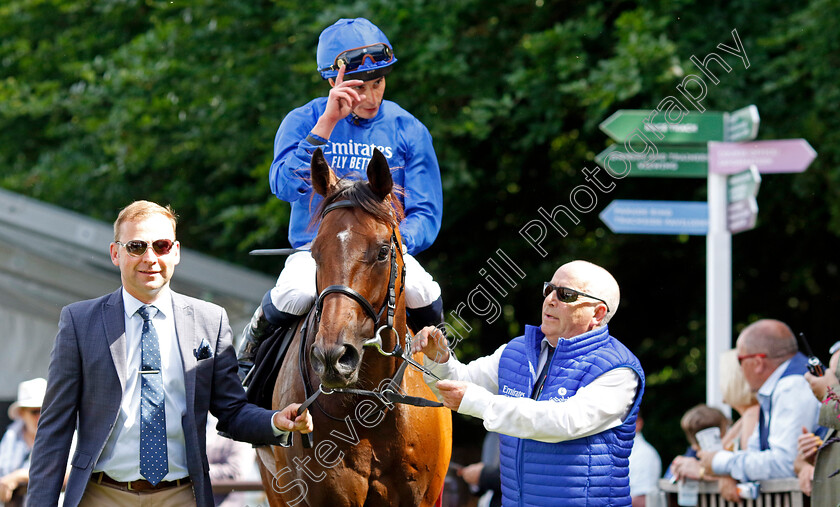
x: 431, y: 342
x: 471, y: 473
x: 452, y: 392
x: 729, y: 489
x: 287, y: 419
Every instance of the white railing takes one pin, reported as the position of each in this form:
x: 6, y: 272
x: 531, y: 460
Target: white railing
x: 773, y: 493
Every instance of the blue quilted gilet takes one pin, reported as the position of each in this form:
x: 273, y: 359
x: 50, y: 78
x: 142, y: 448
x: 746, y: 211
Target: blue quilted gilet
x: 589, y: 471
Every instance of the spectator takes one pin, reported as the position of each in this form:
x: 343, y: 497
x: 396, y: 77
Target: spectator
x: 16, y: 446
x: 738, y: 395
x: 774, y: 368
x: 355, y: 57
x: 566, y: 433
x: 229, y: 460
x: 645, y: 470
x: 819, y: 465
x: 484, y: 477
x: 136, y: 372
x: 697, y: 418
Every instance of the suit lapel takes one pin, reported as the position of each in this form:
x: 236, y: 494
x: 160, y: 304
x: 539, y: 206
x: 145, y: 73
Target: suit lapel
x: 113, y: 316
x: 185, y: 333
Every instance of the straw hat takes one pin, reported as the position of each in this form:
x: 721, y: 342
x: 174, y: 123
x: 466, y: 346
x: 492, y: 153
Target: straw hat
x: 30, y: 395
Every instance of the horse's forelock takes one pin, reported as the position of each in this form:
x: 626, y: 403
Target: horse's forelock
x: 359, y: 193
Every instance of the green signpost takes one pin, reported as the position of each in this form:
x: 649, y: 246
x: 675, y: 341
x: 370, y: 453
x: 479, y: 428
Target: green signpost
x: 689, y: 128
x: 669, y: 162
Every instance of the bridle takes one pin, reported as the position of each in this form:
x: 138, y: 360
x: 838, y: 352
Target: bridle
x: 389, y: 303
x: 387, y: 396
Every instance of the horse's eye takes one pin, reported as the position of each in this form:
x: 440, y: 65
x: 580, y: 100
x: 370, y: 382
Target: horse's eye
x: 384, y: 250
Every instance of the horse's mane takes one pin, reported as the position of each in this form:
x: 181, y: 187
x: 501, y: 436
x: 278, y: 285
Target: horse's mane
x: 357, y: 191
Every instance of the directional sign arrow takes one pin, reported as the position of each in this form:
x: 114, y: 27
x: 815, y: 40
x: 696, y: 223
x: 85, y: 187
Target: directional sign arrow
x: 740, y: 186
x: 657, y: 217
x: 741, y: 125
x: 777, y: 156
x: 691, y: 127
x: 669, y: 162
x: 741, y: 215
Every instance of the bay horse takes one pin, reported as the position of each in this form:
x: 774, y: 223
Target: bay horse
x: 367, y: 451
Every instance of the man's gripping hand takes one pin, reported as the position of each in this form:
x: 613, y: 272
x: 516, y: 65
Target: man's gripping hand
x: 431, y: 342
x: 288, y: 420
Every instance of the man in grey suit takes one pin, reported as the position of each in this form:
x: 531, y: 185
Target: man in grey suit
x: 135, y: 372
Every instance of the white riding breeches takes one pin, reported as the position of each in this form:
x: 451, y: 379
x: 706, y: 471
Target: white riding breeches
x: 295, y: 290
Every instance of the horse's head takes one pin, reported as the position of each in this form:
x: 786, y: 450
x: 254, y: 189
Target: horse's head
x: 357, y: 251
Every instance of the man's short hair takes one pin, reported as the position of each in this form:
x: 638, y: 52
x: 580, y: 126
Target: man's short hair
x: 139, y: 210
x: 771, y: 337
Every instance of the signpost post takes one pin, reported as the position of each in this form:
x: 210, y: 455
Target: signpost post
x: 733, y: 176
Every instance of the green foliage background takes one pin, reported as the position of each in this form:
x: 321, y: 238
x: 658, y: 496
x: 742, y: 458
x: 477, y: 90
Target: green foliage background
x: 105, y: 102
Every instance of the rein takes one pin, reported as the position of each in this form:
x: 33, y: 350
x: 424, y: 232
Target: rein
x: 387, y: 396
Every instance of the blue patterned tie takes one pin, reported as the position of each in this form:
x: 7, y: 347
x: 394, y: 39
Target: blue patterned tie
x: 154, y: 461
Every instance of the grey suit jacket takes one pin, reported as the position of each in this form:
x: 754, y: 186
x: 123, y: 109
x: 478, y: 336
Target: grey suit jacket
x: 84, y: 393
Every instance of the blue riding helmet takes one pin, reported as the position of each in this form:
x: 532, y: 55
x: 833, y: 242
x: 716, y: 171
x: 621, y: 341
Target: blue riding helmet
x: 358, y: 44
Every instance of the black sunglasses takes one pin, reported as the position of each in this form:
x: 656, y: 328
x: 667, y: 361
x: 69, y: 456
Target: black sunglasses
x: 567, y: 295
x: 353, y: 58
x: 138, y: 247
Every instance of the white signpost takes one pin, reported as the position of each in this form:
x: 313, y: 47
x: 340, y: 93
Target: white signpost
x: 733, y: 179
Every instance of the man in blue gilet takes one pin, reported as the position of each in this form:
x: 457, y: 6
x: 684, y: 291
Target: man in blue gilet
x: 564, y: 396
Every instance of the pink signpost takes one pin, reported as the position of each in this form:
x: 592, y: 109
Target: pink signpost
x: 776, y: 156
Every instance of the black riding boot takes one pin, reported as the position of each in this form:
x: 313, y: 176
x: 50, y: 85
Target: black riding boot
x: 265, y: 321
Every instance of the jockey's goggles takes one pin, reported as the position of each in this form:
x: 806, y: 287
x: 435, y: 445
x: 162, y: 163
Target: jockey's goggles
x: 355, y: 58
x: 567, y: 295
x: 137, y: 248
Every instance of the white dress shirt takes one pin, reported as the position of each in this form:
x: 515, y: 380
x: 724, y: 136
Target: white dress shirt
x: 599, y: 406
x: 793, y: 406
x: 120, y: 458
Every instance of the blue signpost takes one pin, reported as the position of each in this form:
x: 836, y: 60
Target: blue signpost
x: 657, y: 217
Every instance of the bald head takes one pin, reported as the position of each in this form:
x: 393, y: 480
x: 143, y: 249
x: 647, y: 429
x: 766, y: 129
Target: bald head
x: 771, y: 337
x: 595, y: 280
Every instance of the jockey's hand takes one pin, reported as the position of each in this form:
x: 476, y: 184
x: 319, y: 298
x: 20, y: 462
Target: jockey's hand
x: 288, y: 420
x: 342, y: 100
x: 451, y: 393
x: 430, y: 341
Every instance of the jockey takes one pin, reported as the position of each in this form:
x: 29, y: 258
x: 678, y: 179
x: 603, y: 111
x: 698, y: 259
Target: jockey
x: 354, y: 56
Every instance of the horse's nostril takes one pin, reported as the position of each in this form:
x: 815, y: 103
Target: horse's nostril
x: 341, y: 360
x: 349, y: 360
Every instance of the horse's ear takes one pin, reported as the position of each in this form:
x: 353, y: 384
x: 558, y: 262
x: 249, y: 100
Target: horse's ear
x: 322, y: 176
x: 379, y: 175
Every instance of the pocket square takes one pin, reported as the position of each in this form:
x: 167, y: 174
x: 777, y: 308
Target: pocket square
x: 203, y: 351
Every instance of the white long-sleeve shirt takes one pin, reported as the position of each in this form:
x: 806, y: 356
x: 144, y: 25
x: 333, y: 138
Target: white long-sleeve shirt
x: 793, y: 406
x: 599, y: 406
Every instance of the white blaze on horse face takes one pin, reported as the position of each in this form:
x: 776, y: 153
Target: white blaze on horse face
x: 343, y: 238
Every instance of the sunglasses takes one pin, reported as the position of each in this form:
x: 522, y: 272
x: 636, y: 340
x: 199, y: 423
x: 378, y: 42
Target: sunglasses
x: 137, y: 247
x: 567, y: 295
x: 747, y: 356
x: 33, y: 411
x: 353, y: 58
